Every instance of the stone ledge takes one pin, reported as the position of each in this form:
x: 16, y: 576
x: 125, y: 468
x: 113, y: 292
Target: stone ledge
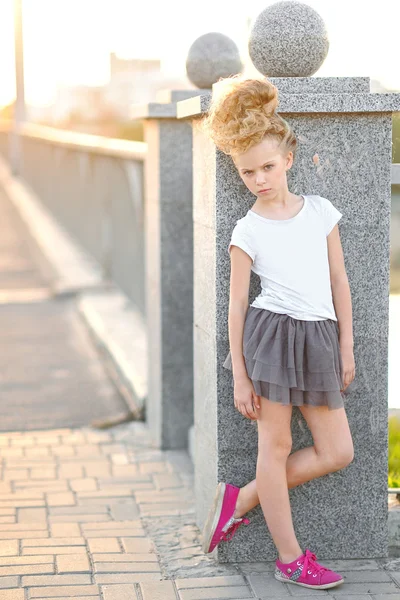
x: 119, y: 332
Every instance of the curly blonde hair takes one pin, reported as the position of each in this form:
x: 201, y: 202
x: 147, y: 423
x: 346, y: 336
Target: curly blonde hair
x: 242, y: 113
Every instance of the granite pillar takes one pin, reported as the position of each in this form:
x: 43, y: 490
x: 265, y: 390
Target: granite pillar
x: 169, y: 269
x: 344, y: 135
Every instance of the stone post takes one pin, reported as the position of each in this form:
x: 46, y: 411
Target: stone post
x: 344, y: 154
x: 169, y: 250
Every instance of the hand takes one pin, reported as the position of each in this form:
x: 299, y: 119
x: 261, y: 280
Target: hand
x: 246, y: 400
x: 348, y: 365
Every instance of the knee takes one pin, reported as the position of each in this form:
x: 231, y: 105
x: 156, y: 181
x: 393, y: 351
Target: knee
x: 341, y: 457
x: 279, y: 448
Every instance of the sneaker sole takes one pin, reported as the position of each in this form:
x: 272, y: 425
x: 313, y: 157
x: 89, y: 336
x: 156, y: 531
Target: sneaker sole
x: 324, y: 586
x: 212, y: 518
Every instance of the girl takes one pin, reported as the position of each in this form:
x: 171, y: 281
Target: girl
x: 286, y: 348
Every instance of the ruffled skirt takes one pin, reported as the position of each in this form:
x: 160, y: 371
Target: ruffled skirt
x: 292, y: 361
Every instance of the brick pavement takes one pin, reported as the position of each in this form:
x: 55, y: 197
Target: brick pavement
x: 95, y: 514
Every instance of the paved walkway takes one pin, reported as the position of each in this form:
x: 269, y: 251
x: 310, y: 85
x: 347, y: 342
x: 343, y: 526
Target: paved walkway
x: 92, y: 514
x: 50, y: 373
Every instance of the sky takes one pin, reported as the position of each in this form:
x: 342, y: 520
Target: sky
x: 69, y: 41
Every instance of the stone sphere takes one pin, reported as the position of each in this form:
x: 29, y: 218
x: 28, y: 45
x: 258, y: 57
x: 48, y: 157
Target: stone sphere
x: 288, y: 39
x: 211, y: 56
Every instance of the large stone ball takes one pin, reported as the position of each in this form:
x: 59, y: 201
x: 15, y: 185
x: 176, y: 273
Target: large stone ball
x: 288, y: 39
x: 211, y: 56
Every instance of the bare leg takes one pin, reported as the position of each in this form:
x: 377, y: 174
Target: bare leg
x: 277, y: 471
x: 301, y: 466
x: 310, y: 462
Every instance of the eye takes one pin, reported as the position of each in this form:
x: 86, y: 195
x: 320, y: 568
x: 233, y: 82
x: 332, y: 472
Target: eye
x: 247, y: 172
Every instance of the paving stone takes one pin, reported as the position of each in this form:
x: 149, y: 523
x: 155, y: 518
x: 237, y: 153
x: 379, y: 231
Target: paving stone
x: 109, y: 493
x: 124, y: 557
x: 25, y: 495
x: 83, y: 484
x: 123, y: 512
x: 65, y: 591
x: 12, y: 594
x: 74, y: 438
x: 126, y: 577
x: 70, y: 471
x: 96, y: 597
x: 154, y: 467
x: 31, y: 515
x: 55, y: 485
x: 119, y: 592
x: 22, y: 527
x: 204, y: 582
x: 136, y: 524
x: 216, y: 593
x: 127, y: 567
x: 9, y: 547
x: 103, y: 533
x: 9, y: 582
x: 77, y: 510
x: 119, y: 458
x: 11, y: 452
x: 38, y: 550
x: 379, y: 597
x: 46, y: 568
x: 125, y: 470
x: 60, y: 499
x: 25, y: 560
x: 14, y: 474
x: 112, y: 448
x: 104, y: 545
x: 87, y: 450
x: 66, y: 580
x: 160, y: 590
x: 137, y: 545
x: 38, y: 451
x: 62, y: 450
x: 61, y: 541
x: 21, y: 534
x: 365, y: 588
x: 100, y: 469
x: 73, y: 563
x: 65, y: 530
x: 166, y: 481
x: 83, y: 518
x: 49, y: 473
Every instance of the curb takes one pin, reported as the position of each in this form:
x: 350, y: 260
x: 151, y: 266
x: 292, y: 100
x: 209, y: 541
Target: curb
x: 120, y: 335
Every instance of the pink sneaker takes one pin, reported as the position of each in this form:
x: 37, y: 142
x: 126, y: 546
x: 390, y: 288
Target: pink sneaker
x: 307, y: 572
x: 221, y: 524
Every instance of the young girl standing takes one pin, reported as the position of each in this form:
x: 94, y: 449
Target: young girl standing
x: 293, y: 346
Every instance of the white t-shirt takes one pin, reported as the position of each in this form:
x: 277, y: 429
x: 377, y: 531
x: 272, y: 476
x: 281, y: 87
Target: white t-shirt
x: 291, y: 258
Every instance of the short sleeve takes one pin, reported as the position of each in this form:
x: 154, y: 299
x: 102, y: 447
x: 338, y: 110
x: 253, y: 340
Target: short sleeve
x: 331, y: 215
x: 242, y: 238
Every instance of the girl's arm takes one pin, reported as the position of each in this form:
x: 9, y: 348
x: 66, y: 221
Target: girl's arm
x: 238, y: 304
x: 340, y: 289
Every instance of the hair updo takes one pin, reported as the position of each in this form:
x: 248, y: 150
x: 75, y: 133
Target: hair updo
x: 242, y: 113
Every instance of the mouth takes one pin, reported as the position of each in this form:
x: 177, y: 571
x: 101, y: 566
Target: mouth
x: 266, y: 190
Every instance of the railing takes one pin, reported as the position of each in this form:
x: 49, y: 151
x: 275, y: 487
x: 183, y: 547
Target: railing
x: 94, y: 187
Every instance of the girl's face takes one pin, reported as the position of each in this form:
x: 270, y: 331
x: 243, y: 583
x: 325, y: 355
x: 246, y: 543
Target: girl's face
x: 263, y: 167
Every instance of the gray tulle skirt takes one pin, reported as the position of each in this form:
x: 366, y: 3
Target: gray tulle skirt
x: 292, y: 361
